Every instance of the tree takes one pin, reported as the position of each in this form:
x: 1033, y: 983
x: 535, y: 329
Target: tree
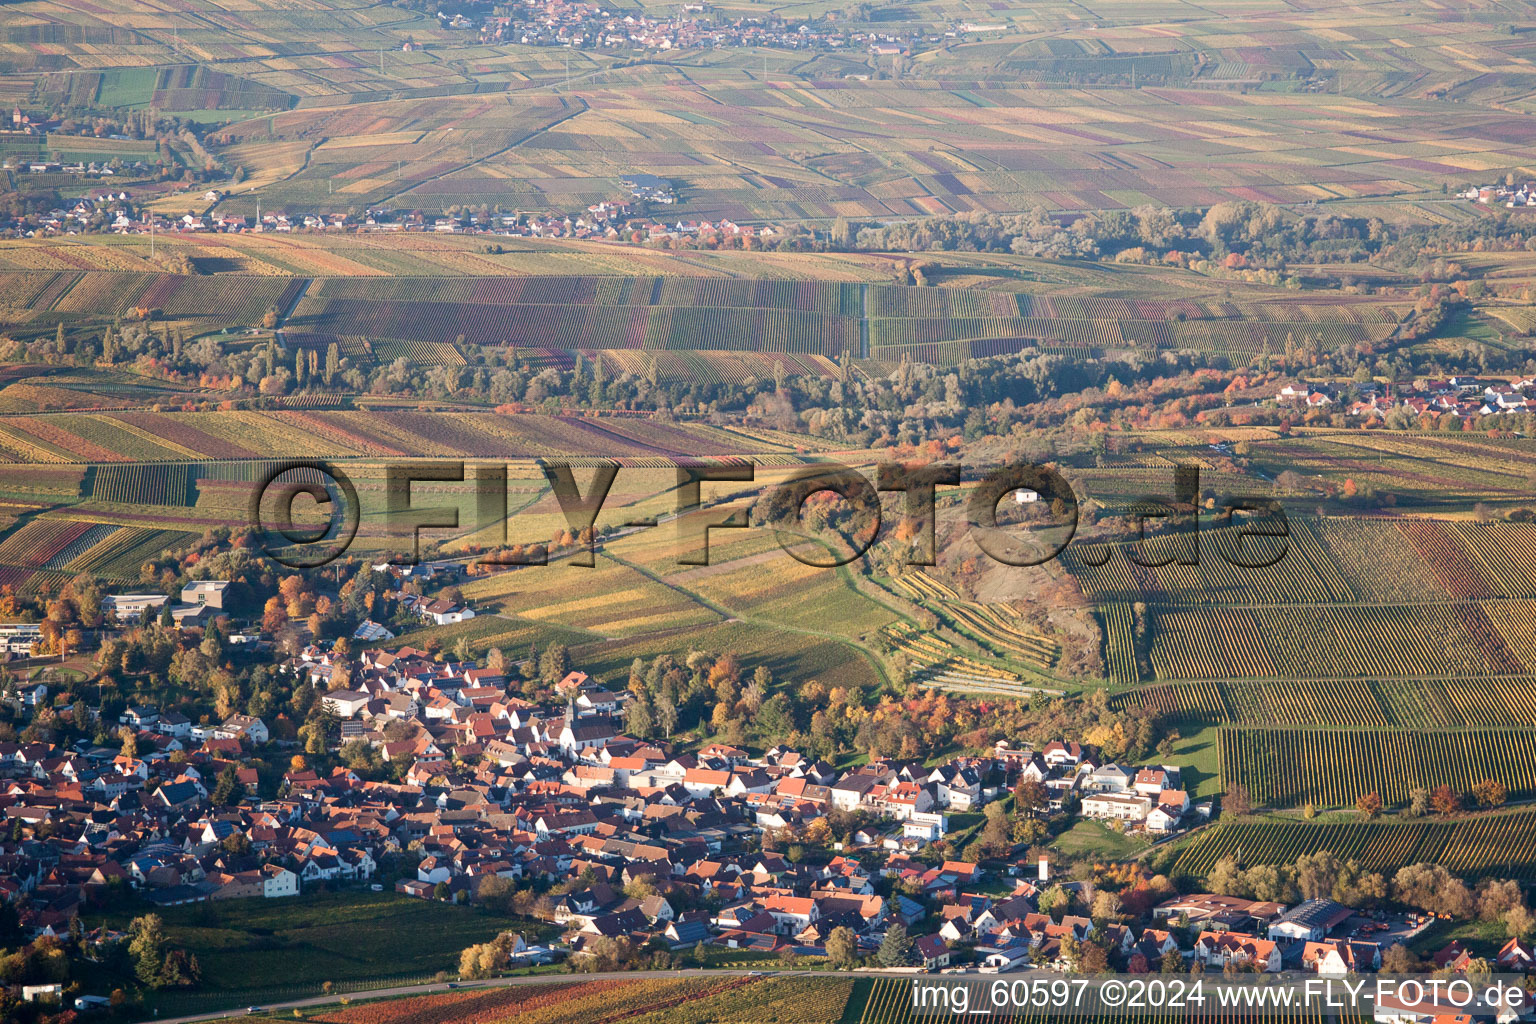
x: 638, y: 719
x: 227, y: 785
x: 1173, y: 962
x: 1226, y: 878
x: 1031, y: 795
x: 842, y: 947
x: 1418, y: 801
x: 996, y: 837
x: 180, y: 969
x: 1236, y: 802
x: 1054, y: 900
x: 1106, y: 905
x: 146, y: 948
x: 496, y: 893
x: 1496, y: 897
x: 1519, y: 921
x: 1445, y: 800
x: 1029, y: 831
x: 665, y: 714
x: 1433, y: 889
x: 895, y: 947
x: 484, y: 958
x: 1399, y: 959
x: 1489, y: 793
x: 554, y: 664
x: 1092, y: 958
x: 1316, y: 874
x: 1369, y: 804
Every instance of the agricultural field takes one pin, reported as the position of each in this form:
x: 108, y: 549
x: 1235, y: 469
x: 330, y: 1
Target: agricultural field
x: 740, y: 1000
x: 997, y: 148
x: 1352, y: 703
x: 1334, y: 767
x: 247, y: 946
x: 1415, y: 589
x: 675, y: 317
x: 1497, y: 844
x: 147, y: 437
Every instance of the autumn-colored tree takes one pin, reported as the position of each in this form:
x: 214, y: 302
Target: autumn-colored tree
x: 1445, y: 800
x: 274, y: 616
x: 1489, y: 793
x: 1369, y: 804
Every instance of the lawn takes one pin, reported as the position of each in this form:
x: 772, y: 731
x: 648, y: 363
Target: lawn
x: 1200, y: 763
x: 1096, y: 839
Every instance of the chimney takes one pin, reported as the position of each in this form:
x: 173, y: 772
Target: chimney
x: 1045, y: 868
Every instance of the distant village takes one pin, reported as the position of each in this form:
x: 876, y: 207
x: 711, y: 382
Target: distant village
x: 1508, y: 194
x: 589, y: 26
x: 113, y: 210
x: 1373, y: 401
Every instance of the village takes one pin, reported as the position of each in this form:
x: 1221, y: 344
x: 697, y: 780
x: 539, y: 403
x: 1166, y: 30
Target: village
x: 1508, y: 194
x: 1371, y: 401
x: 615, y: 843
x: 586, y: 25
x: 113, y: 210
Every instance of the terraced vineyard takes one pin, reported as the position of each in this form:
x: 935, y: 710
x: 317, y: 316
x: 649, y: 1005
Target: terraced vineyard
x: 991, y: 624
x: 937, y: 663
x: 1503, y: 845
x: 1334, y: 767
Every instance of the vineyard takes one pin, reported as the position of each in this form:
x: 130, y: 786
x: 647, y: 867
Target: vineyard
x: 223, y: 298
x: 40, y: 542
x: 990, y: 623
x: 587, y: 326
x: 1464, y: 640
x: 1333, y: 768
x: 1496, y: 844
x: 141, y: 437
x: 648, y: 1001
x: 119, y: 554
x: 1331, y: 560
x: 932, y: 339
x: 167, y: 484
x: 1357, y: 703
x: 1305, y: 573
x: 935, y: 662
x: 556, y: 290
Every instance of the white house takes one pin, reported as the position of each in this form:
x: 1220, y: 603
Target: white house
x: 278, y: 881
x: 445, y: 613
x: 1116, y: 806
x: 131, y: 607
x: 236, y: 726
x: 345, y: 703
